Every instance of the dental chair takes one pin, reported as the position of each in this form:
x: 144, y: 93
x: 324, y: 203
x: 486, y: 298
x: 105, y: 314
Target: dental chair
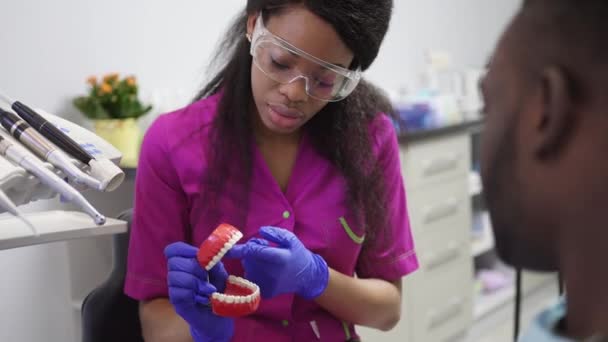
x: 108, y: 315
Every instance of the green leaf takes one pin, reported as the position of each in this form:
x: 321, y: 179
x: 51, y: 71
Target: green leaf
x: 91, y: 108
x: 120, y: 103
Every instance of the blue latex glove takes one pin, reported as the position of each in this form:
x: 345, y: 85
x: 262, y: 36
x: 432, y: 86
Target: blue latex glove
x: 190, y: 289
x: 287, y: 268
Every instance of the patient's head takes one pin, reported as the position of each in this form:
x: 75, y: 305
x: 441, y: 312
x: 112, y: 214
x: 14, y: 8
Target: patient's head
x: 545, y: 144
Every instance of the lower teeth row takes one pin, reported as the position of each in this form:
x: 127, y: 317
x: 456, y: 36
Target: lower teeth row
x: 242, y: 282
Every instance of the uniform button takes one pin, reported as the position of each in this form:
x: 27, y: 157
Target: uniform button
x: 286, y: 214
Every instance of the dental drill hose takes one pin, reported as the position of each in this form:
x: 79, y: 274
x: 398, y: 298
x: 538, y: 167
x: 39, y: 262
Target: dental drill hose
x: 9, y: 206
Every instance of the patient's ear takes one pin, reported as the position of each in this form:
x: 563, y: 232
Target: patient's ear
x: 555, y: 118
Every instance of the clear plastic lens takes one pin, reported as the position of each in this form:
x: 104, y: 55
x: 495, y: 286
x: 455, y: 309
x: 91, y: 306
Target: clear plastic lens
x: 285, y: 64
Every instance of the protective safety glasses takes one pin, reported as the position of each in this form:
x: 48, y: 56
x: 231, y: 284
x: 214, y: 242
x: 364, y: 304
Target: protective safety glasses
x: 279, y: 60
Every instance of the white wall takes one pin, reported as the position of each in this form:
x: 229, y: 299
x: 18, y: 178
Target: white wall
x: 50, y: 47
x: 467, y: 29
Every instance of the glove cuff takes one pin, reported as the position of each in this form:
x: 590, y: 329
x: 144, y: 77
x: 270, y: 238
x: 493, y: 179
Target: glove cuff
x: 319, y: 279
x: 196, y: 337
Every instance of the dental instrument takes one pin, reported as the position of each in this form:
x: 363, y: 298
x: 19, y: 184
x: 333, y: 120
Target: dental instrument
x: 22, y: 157
x: 44, y: 149
x: 104, y: 165
x: 48, y: 130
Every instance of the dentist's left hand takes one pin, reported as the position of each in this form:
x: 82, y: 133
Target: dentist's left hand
x: 190, y: 289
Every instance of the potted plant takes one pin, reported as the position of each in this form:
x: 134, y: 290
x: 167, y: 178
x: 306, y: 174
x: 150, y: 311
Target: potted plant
x: 113, y: 105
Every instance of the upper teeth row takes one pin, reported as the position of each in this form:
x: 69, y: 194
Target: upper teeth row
x: 236, y: 236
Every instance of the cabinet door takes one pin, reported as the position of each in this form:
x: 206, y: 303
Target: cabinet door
x: 439, y: 302
x: 435, y: 209
x: 426, y: 163
x: 439, y: 294
x: 437, y: 299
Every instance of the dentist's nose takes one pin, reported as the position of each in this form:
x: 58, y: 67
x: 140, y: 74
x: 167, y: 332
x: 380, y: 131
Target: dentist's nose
x: 295, y: 90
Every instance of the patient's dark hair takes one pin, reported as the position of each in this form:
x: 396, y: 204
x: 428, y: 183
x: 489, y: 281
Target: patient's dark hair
x: 339, y: 132
x: 570, y: 34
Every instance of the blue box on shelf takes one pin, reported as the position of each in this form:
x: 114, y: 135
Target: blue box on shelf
x: 414, y: 117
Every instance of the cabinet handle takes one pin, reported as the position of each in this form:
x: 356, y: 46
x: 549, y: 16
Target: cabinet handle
x: 450, y: 253
x: 452, y: 310
x: 441, y: 210
x: 439, y: 165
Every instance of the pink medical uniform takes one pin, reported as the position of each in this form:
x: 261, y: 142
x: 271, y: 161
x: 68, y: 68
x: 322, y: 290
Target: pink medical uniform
x: 314, y: 208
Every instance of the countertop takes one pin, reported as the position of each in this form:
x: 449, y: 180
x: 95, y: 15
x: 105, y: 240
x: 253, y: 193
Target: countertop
x: 53, y: 226
x: 470, y: 126
x: 130, y: 172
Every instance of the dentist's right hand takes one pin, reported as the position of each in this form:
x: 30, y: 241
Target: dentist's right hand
x: 190, y: 289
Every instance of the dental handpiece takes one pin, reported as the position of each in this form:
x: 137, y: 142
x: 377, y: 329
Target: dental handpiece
x: 48, y: 130
x: 10, y: 207
x: 22, y: 157
x: 45, y: 150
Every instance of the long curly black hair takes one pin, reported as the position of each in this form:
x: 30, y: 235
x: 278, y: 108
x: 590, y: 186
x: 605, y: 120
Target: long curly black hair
x: 340, y: 132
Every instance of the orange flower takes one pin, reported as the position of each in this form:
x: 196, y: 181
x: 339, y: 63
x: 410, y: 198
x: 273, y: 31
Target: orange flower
x: 109, y: 78
x: 131, y: 82
x: 105, y: 88
x: 92, y: 81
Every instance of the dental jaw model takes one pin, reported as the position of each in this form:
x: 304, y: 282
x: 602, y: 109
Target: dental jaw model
x: 241, y: 296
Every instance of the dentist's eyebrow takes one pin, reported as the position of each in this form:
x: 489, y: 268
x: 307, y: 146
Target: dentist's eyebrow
x: 335, y: 64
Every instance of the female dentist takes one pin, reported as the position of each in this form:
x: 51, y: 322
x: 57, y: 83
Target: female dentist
x: 286, y: 137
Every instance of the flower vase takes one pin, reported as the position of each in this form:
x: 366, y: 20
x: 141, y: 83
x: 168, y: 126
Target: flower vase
x: 125, y: 135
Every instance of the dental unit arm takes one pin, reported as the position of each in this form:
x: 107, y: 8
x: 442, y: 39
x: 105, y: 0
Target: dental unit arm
x: 21, y: 187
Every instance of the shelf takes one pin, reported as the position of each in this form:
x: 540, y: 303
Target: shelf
x: 484, y: 241
x: 479, y: 247
x: 497, y: 325
x: 488, y: 303
x: 54, y: 225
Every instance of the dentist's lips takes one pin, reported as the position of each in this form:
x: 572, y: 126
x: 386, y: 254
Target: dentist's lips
x: 241, y: 296
x: 284, y: 116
